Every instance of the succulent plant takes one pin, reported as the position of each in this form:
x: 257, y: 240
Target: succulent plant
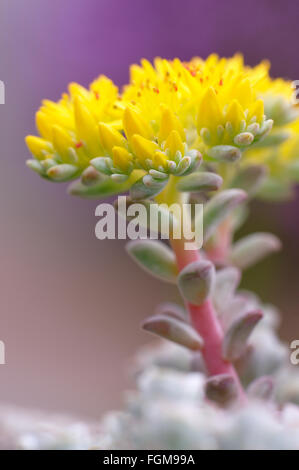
x: 219, y: 133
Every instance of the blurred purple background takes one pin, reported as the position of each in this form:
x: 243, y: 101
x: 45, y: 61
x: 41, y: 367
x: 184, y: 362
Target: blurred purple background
x: 70, y: 304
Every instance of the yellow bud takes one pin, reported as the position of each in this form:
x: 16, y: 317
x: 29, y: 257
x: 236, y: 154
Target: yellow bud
x: 62, y: 141
x: 243, y: 93
x: 143, y: 148
x: 235, y: 114
x: 135, y: 124
x: 257, y: 110
x: 77, y: 90
x: 121, y: 158
x: 86, y: 127
x: 110, y: 137
x: 169, y: 122
x: 38, y: 147
x: 159, y: 159
x: 44, y: 125
x: 209, y: 114
x: 174, y: 143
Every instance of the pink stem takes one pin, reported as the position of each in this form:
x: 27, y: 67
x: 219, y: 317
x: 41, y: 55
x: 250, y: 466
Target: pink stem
x: 205, y: 321
x: 218, y: 251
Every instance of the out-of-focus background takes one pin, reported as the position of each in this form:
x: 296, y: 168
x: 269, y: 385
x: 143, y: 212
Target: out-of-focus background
x: 71, y: 305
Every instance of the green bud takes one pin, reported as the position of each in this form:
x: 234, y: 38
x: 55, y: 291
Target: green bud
x: 146, y: 187
x: 224, y: 153
x: 101, y: 165
x: 35, y: 166
x: 91, y: 176
x: 243, y: 139
x: 63, y: 172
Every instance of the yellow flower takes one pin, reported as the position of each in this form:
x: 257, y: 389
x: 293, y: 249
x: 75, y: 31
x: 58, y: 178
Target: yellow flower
x: 215, y: 101
x: 69, y: 129
x: 169, y: 114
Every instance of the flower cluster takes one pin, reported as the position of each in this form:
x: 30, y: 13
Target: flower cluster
x: 170, y: 116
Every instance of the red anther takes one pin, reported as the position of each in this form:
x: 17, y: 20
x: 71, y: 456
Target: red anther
x: 220, y: 82
x: 97, y: 95
x: 79, y: 144
x: 175, y: 87
x: 201, y: 79
x: 156, y: 90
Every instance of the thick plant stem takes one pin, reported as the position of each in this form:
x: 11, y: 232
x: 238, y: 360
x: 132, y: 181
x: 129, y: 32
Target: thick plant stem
x: 205, y: 321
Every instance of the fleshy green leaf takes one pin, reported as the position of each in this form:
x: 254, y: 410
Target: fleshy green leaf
x: 147, y: 187
x: 219, y: 207
x: 174, y: 330
x: 196, y: 280
x: 200, y: 181
x: 251, y: 249
x: 105, y: 188
x: 234, y: 342
x: 155, y: 258
x: 250, y: 179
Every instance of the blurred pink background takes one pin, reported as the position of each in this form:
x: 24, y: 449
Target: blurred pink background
x: 71, y: 305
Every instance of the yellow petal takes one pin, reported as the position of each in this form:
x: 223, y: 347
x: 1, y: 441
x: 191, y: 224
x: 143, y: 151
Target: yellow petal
x: 44, y: 125
x: 159, y: 159
x: 257, y: 109
x: 209, y: 114
x: 174, y: 143
x: 62, y: 141
x: 235, y: 114
x: 243, y: 93
x: 110, y: 137
x: 77, y: 90
x: 121, y: 158
x: 86, y: 127
x: 169, y: 122
x: 135, y: 124
x: 143, y: 148
x: 38, y: 147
